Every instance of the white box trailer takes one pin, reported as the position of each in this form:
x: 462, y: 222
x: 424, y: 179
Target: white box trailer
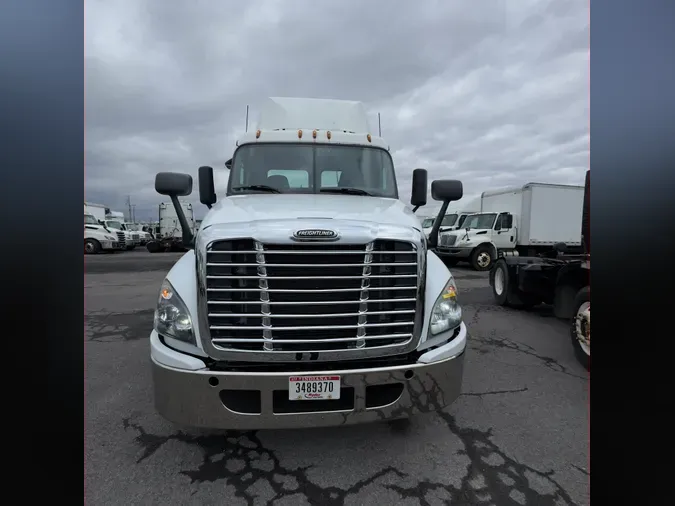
x: 545, y: 214
x: 96, y: 210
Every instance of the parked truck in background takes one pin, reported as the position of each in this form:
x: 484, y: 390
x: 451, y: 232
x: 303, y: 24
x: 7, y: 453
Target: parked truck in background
x: 559, y: 276
x: 169, y: 231
x: 114, y: 220
x: 516, y: 221
x: 96, y: 237
x: 96, y: 210
x: 138, y: 229
x: 309, y: 296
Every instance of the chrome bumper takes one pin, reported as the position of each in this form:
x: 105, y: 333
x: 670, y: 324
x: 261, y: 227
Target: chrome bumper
x: 198, y: 398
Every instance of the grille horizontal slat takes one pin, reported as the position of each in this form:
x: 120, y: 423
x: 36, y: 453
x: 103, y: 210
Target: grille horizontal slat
x: 310, y: 297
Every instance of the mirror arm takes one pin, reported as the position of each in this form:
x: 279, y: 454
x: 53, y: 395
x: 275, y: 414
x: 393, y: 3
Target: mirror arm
x: 188, y: 238
x: 433, y: 235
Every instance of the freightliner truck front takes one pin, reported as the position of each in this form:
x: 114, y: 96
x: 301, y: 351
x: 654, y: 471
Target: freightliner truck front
x: 309, y: 296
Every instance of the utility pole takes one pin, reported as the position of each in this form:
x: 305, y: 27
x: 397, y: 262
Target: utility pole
x: 129, y: 205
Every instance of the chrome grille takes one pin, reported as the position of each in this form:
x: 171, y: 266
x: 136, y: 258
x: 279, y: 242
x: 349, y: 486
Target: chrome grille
x: 448, y: 240
x: 135, y: 237
x: 121, y: 239
x: 310, y: 297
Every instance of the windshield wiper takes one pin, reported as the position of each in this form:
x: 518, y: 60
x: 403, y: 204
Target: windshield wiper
x: 259, y: 187
x: 347, y: 191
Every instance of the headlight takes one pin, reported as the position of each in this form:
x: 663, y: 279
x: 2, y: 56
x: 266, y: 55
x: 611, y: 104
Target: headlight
x: 447, y: 313
x: 111, y: 238
x: 171, y: 316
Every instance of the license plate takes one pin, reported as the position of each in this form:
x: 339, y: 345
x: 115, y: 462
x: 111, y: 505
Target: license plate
x: 314, y: 388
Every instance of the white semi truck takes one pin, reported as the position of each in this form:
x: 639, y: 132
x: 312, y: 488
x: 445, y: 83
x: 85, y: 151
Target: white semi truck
x: 516, y: 221
x: 115, y: 221
x: 309, y: 296
x: 96, y: 237
x: 169, y: 236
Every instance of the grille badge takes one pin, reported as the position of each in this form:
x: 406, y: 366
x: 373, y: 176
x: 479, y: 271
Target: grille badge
x: 315, y: 234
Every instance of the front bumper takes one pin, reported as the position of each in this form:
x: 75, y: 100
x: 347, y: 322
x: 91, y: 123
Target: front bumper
x: 452, y: 251
x: 259, y: 400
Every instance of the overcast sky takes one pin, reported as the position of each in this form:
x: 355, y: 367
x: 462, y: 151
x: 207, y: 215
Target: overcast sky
x: 493, y: 92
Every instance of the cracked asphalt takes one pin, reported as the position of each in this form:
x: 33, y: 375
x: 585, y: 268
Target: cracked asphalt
x: 518, y: 434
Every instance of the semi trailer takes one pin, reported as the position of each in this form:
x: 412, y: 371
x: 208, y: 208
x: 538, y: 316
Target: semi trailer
x: 310, y: 295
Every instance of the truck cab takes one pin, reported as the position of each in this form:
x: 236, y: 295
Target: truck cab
x: 97, y: 238
x: 131, y: 239
x: 309, y: 296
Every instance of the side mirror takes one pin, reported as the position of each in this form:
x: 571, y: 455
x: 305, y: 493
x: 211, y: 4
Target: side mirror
x: 418, y: 196
x: 447, y: 190
x: 207, y: 192
x: 228, y: 164
x: 173, y: 184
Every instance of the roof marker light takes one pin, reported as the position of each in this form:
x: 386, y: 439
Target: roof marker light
x: 369, y: 138
x: 299, y: 134
x: 314, y: 134
x: 257, y: 134
x: 328, y: 134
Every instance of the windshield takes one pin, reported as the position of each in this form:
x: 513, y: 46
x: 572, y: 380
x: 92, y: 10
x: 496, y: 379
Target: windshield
x: 312, y: 168
x: 114, y: 224
x: 449, y: 220
x: 90, y: 220
x: 479, y: 221
x: 132, y: 226
x: 428, y: 223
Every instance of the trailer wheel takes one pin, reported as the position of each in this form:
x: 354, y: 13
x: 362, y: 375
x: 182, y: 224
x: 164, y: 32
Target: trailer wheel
x: 500, y: 283
x: 580, y: 330
x: 481, y: 258
x: 92, y: 246
x: 504, y: 292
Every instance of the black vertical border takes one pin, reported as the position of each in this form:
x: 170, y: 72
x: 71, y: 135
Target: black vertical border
x: 633, y: 201
x: 41, y: 169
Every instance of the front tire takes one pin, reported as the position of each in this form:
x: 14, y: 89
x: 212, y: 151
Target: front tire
x: 92, y: 247
x: 580, y: 329
x: 481, y: 258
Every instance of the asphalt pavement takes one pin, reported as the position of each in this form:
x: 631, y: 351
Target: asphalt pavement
x: 518, y: 434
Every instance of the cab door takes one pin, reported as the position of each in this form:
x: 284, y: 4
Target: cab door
x: 504, y: 232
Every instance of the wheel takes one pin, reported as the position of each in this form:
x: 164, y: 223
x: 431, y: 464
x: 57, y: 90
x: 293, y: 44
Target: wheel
x: 481, y: 258
x: 580, y: 329
x: 92, y: 246
x: 505, y: 292
x: 153, y: 247
x: 500, y: 284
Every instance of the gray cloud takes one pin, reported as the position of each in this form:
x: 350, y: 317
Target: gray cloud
x: 493, y: 93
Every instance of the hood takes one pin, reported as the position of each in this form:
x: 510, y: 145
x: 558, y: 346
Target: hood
x: 265, y: 207
x: 461, y: 232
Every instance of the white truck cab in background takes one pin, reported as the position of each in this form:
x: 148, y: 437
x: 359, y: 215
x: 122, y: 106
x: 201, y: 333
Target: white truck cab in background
x: 96, y: 237
x: 516, y: 221
x: 115, y: 220
x: 309, y: 296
